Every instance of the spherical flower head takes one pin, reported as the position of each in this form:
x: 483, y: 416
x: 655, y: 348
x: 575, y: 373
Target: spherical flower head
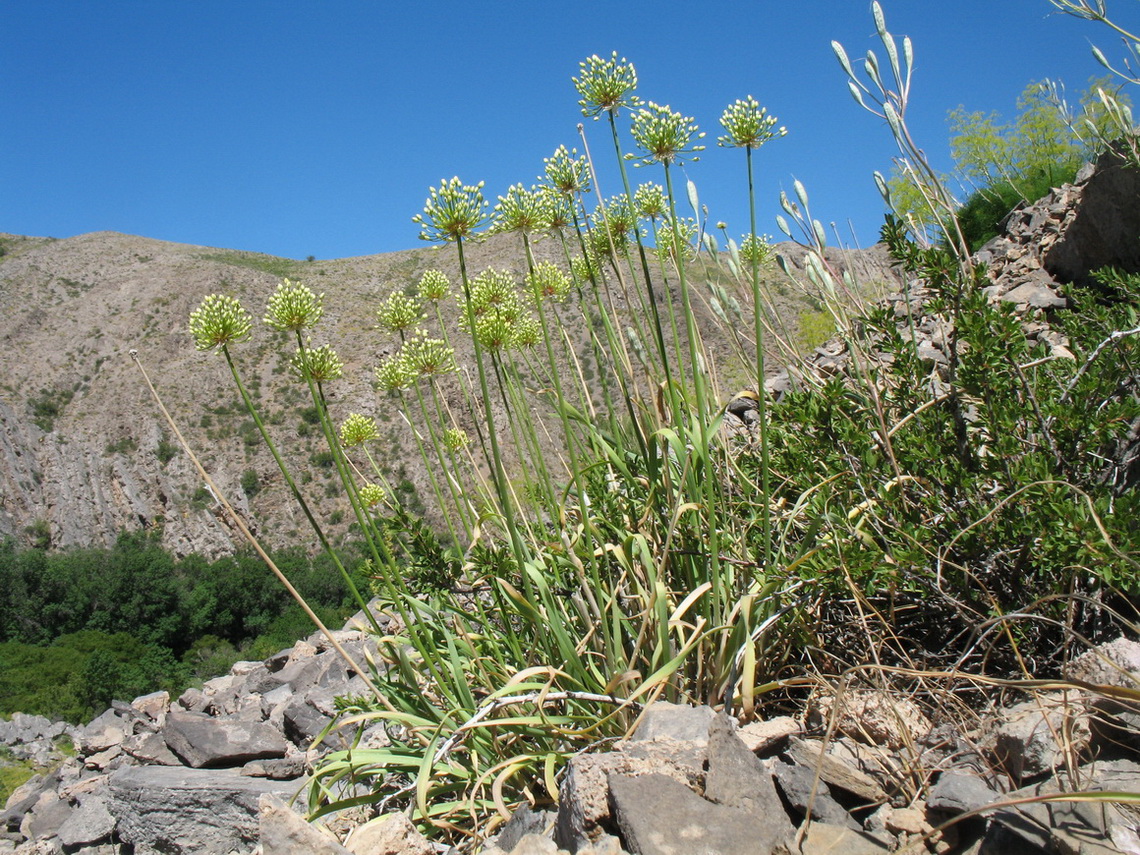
x: 558, y: 208
x: 427, y: 357
x: 293, y: 307
x: 664, y: 135
x: 650, y: 201
x: 758, y: 248
x: 748, y: 125
x: 666, y: 243
x: 494, y: 290
x: 584, y: 268
x: 494, y: 331
x: 566, y: 173
x: 453, y: 211
x: 527, y: 332
x: 358, y: 429
x: 434, y: 286
x: 521, y: 210
x: 398, y: 313
x: 548, y: 282
x: 219, y: 321
x: 393, y: 374
x: 606, y: 85
x: 320, y: 363
x: 372, y: 495
x: 456, y: 439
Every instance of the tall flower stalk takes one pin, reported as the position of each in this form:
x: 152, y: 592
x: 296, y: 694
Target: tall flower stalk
x: 747, y: 125
x: 455, y: 212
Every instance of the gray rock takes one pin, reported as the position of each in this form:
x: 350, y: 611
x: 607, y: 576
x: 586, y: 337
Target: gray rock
x: 1035, y: 294
x: 737, y: 779
x: 282, y: 832
x: 798, y: 782
x: 102, y: 733
x: 88, y: 824
x: 824, y: 839
x: 584, y: 809
x: 202, y: 741
x: 961, y: 790
x: 660, y: 816
x: 1083, y: 828
x: 835, y: 772
x: 303, y: 724
x: 176, y: 811
x: 392, y: 834
x: 1115, y: 663
x: 524, y: 821
x: 285, y: 769
x: 675, y: 721
x: 1040, y: 735
x: 1104, y: 230
x: 150, y: 749
x: 46, y: 817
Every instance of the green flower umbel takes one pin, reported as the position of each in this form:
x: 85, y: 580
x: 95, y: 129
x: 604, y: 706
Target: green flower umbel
x: 398, y: 313
x: 322, y: 363
x: 748, y: 125
x: 293, y: 307
x: 372, y: 495
x: 358, y: 429
x: 434, y: 286
x: 219, y: 321
x: 664, y: 135
x: 522, y: 210
x: 453, y: 211
x: 566, y: 173
x: 606, y: 85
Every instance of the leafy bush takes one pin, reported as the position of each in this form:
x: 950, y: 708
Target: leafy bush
x: 250, y: 482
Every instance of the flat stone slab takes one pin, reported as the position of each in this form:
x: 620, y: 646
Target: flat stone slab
x: 660, y: 816
x: 165, y: 810
x: 205, y: 742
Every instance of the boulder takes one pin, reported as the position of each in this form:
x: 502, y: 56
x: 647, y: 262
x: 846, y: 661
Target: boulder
x: 202, y: 741
x: 163, y: 810
x: 283, y: 832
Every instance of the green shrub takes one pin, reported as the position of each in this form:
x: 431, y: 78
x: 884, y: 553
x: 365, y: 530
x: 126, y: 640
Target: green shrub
x: 250, y: 482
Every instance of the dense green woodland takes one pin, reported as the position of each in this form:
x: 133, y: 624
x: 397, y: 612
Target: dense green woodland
x: 80, y: 627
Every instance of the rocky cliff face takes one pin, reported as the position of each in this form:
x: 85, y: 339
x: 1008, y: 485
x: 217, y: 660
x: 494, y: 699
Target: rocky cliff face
x: 84, y: 453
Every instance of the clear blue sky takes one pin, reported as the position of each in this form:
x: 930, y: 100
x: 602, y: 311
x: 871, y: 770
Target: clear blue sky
x: 316, y: 128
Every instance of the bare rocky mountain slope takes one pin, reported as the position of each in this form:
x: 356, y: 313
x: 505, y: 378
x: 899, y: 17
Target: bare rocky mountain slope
x: 84, y: 453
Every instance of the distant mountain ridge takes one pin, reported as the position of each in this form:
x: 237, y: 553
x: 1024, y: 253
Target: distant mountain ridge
x: 83, y: 451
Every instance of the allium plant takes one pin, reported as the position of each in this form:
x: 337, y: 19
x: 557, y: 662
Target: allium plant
x: 523, y: 211
x: 219, y: 322
x: 294, y: 307
x: 606, y: 85
x: 747, y: 125
x: 399, y: 313
x: 665, y: 136
x: 358, y: 429
x: 434, y: 286
x: 567, y: 173
x: 321, y: 364
x: 453, y: 212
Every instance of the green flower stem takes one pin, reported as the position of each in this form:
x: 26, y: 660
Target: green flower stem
x: 381, y: 556
x: 659, y: 335
x: 431, y: 470
x: 498, y: 472
x: 761, y: 393
x: 249, y: 405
